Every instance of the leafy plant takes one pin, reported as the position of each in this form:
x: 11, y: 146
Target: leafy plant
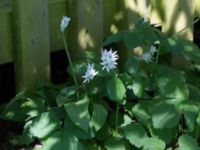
x: 147, y: 105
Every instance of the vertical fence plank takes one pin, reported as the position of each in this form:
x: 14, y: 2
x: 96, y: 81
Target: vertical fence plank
x: 31, y: 26
x: 156, y: 14
x: 6, y: 47
x: 57, y: 9
x: 86, y: 26
x: 109, y: 17
x: 197, y: 8
x: 179, y: 14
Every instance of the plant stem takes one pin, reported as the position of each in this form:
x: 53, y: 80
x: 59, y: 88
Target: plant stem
x: 157, y: 56
x: 71, y: 66
x: 116, y: 118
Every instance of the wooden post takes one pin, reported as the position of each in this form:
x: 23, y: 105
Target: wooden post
x: 110, y: 18
x: 6, y: 46
x: 57, y: 9
x: 156, y: 14
x: 31, y: 27
x: 179, y: 14
x: 197, y: 8
x: 86, y: 26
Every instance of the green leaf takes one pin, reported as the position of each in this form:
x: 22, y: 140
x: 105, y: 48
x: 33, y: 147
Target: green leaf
x: 76, y: 130
x: 99, y: 116
x: 115, y: 38
x: 90, y: 145
x: 190, y: 112
x: 104, y: 133
x: 137, y: 87
x: 153, y: 143
x: 44, y: 125
x: 65, y: 95
x: 164, y: 134
x: 194, y: 92
x: 171, y: 83
x: 132, y: 66
x: 186, y: 48
x: 78, y: 113
x: 165, y: 115
x: 186, y: 142
x: 116, y: 90
x: 34, y: 106
x: 61, y: 140
x: 115, y: 144
x: 149, y: 34
x: 190, y: 51
x: 20, y: 107
x: 126, y: 120
x: 135, y: 134
x: 140, y: 111
x: 134, y: 39
x: 170, y: 45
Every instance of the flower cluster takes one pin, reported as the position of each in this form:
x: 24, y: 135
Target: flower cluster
x: 90, y: 73
x: 108, y: 61
x: 64, y: 23
x: 148, y: 56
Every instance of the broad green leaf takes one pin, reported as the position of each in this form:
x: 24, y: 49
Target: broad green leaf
x: 140, y: 111
x: 59, y: 112
x: 78, y: 113
x: 34, y: 106
x: 190, y: 51
x: 186, y: 142
x: 126, y: 120
x: 132, y: 66
x: 99, y: 116
x: 76, y: 130
x: 194, y: 92
x: 133, y: 39
x: 135, y: 134
x: 115, y: 144
x: 116, y: 90
x: 182, y: 47
x: 65, y: 95
x: 153, y: 143
x: 61, y: 140
x: 137, y: 87
x: 190, y: 112
x: 171, y: 83
x: 164, y: 134
x: 104, y: 133
x: 44, y: 125
x: 170, y: 45
x: 115, y: 38
x: 20, y: 107
x: 165, y: 115
x: 90, y: 145
x: 149, y: 34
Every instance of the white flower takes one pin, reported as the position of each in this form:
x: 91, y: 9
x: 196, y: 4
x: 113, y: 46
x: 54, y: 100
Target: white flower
x: 64, y: 23
x: 147, y: 56
x: 153, y: 49
x: 90, y: 73
x: 108, y: 59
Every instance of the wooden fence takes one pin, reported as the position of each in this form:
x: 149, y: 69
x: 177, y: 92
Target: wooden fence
x: 30, y: 29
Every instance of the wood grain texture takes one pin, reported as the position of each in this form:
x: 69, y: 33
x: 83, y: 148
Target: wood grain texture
x: 32, y: 52
x: 6, y: 45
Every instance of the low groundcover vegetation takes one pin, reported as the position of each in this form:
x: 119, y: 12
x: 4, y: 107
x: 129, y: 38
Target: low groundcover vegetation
x: 147, y: 104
